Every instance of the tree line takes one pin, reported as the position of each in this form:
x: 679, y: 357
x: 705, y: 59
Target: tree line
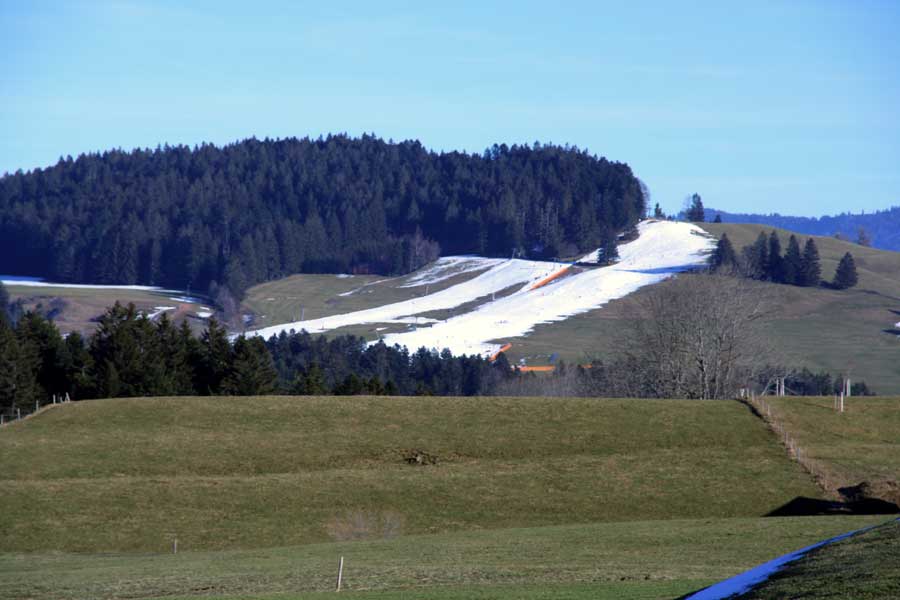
x: 696, y: 336
x: 233, y: 216
x: 763, y: 260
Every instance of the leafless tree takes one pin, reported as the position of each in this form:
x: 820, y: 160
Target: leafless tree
x: 695, y: 336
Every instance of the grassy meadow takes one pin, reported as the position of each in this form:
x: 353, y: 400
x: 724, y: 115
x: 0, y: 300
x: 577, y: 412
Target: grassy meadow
x: 641, y: 559
x: 237, y: 473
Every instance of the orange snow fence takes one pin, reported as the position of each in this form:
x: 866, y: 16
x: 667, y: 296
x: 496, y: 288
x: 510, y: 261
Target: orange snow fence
x: 550, y: 278
x: 542, y: 368
x: 499, y: 352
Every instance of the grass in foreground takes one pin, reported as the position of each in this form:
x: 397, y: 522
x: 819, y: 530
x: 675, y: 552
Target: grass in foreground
x: 221, y: 473
x: 607, y: 560
x: 862, y: 567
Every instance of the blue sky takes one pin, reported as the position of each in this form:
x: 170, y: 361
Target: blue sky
x: 758, y: 106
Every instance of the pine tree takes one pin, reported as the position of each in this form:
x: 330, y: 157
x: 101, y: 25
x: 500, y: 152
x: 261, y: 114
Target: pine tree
x: 251, y: 372
x: 775, y: 264
x: 845, y: 276
x: 658, y: 213
x: 756, y: 257
x: 608, y: 252
x: 4, y: 303
x: 695, y: 213
x: 723, y: 257
x: 718, y: 218
x: 216, y: 358
x: 792, y: 265
x: 862, y: 237
x: 811, y: 270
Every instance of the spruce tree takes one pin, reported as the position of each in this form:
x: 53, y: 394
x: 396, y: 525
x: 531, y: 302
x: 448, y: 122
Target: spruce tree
x: 251, y: 372
x: 696, y: 212
x: 775, y: 265
x: 811, y: 270
x: 718, y: 218
x: 792, y: 265
x: 658, y: 213
x: 723, y: 257
x: 845, y: 276
x: 216, y: 358
x: 4, y: 303
x: 608, y: 252
x: 756, y: 257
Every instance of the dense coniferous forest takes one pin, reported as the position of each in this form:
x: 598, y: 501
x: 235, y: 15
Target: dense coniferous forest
x: 258, y: 210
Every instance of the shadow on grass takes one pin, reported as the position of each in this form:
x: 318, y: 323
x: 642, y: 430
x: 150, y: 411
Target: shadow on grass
x: 808, y: 507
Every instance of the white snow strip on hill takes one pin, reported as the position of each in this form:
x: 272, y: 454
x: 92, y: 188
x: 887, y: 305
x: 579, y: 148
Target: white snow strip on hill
x: 449, y: 266
x: 37, y: 282
x: 662, y: 249
x: 505, y: 274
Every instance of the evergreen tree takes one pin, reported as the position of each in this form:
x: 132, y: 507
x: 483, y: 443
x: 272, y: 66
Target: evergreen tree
x: 608, y: 252
x: 215, y: 357
x: 696, y: 213
x: 310, y: 382
x: 658, y: 213
x: 19, y: 364
x: 756, y: 257
x: 251, y: 372
x: 811, y: 270
x: 718, y: 218
x: 775, y: 264
x: 724, y: 256
x: 792, y: 265
x: 845, y: 276
x: 862, y: 237
x: 4, y: 303
x: 35, y: 330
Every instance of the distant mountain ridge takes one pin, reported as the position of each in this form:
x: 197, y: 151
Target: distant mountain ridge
x: 882, y: 227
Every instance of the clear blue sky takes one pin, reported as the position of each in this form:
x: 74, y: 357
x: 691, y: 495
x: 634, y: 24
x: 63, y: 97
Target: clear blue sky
x: 758, y: 106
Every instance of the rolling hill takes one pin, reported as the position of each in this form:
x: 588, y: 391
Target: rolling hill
x: 526, y: 498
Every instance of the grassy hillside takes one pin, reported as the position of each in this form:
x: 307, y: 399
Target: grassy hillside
x: 860, y: 444
x: 317, y: 296
x: 77, y: 309
x: 840, y: 331
x: 643, y: 559
x: 220, y: 473
x: 863, y: 567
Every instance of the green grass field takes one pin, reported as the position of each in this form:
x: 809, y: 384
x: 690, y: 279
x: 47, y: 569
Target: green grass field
x: 230, y: 473
x: 643, y: 559
x: 860, y: 444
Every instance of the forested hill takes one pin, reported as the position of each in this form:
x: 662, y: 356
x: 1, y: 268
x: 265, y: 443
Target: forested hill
x: 258, y: 210
x: 881, y: 227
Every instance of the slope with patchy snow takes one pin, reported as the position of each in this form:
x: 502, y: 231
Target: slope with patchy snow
x: 662, y: 249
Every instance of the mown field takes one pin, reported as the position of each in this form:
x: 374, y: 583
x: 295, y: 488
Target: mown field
x: 227, y: 473
x: 839, y: 331
x: 633, y: 560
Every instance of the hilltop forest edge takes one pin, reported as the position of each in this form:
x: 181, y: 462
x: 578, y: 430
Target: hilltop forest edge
x: 212, y: 219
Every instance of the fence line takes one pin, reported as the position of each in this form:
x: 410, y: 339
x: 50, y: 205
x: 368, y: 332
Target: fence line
x: 822, y: 477
x: 12, y: 415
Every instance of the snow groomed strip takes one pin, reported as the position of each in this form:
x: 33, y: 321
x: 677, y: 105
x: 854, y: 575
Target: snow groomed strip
x: 662, y: 249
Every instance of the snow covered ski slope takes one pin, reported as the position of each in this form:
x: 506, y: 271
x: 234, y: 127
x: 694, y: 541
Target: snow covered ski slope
x: 541, y: 295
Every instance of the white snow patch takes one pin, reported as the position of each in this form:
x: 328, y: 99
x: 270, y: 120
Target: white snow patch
x: 662, y: 249
x: 158, y: 310
x: 344, y: 276
x: 450, y: 266
x: 38, y: 282
x: 414, y: 320
x: 362, y: 287
x: 204, y: 314
x: 186, y: 299
x: 504, y: 274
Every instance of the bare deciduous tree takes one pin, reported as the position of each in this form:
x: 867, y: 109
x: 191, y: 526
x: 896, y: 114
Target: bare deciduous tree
x: 693, y: 337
